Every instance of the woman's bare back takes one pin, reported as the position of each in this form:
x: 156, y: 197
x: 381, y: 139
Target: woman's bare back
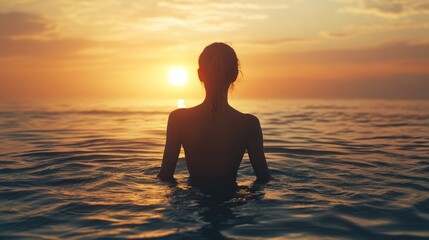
x: 214, y: 142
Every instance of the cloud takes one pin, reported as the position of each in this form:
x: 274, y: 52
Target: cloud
x: 387, y: 59
x: 387, y: 53
x: 351, y: 31
x: 57, y: 48
x: 118, y: 20
x: 402, y: 86
x: 276, y: 42
x: 197, y: 24
x: 393, y: 70
x: 31, y: 35
x: 210, y: 16
x: 387, y: 8
x: 236, y: 5
x: 26, y: 26
x: 22, y: 24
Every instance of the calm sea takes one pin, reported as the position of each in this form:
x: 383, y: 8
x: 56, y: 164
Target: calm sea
x: 343, y: 169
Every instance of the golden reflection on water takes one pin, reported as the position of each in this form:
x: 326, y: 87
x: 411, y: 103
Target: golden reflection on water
x: 155, y: 233
x: 90, y: 169
x: 181, y: 103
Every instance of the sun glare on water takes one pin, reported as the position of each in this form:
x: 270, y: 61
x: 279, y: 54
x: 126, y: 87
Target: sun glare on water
x: 178, y: 76
x: 181, y: 103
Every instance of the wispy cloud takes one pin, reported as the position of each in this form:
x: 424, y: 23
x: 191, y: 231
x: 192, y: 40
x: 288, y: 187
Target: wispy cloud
x: 20, y: 37
x: 54, y: 48
x: 15, y: 24
x: 387, y: 8
x: 126, y: 19
x: 351, y: 31
x: 194, y: 24
x: 388, y: 58
x: 274, y: 43
x: 211, y: 16
x: 236, y: 5
x: 406, y: 52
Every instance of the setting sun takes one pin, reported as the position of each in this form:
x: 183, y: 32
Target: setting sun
x: 178, y: 76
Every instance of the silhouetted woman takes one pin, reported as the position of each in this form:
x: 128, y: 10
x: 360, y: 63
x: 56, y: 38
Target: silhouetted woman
x: 214, y: 135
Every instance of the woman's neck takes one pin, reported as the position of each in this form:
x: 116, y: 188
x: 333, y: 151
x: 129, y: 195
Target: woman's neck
x: 220, y: 100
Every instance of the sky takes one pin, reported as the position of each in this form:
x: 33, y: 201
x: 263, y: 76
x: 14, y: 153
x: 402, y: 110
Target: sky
x: 287, y: 49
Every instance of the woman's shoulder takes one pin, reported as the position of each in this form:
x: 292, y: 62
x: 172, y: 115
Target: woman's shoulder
x: 181, y: 113
x: 176, y: 114
x: 253, y: 121
x: 247, y: 116
x: 250, y: 119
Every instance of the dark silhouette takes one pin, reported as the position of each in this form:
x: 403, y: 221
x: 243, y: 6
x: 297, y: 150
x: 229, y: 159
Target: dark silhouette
x: 214, y: 135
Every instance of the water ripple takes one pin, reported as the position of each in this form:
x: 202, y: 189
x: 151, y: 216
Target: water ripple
x: 343, y: 170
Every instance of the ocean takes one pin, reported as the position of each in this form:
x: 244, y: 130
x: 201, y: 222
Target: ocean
x: 343, y: 169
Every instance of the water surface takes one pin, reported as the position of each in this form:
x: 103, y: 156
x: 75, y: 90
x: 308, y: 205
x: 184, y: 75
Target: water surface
x: 343, y: 169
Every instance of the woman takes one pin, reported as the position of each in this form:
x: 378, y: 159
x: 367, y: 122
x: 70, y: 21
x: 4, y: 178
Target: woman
x: 214, y: 135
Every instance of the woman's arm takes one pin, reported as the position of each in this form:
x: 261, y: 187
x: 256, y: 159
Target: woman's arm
x: 172, y: 148
x: 255, y: 149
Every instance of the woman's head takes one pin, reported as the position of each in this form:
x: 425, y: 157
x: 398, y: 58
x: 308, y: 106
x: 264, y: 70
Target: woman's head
x: 218, y: 67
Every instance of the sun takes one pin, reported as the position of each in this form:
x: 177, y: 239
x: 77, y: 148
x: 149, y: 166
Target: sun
x: 178, y: 76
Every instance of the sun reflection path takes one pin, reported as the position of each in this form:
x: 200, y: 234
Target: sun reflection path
x: 181, y: 103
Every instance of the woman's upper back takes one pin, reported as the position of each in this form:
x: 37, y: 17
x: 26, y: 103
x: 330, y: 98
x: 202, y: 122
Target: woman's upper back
x: 214, y: 142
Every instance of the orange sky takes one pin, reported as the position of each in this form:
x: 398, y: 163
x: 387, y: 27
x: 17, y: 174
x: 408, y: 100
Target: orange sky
x: 287, y: 49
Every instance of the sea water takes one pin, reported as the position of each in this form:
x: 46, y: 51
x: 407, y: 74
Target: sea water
x: 343, y: 170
